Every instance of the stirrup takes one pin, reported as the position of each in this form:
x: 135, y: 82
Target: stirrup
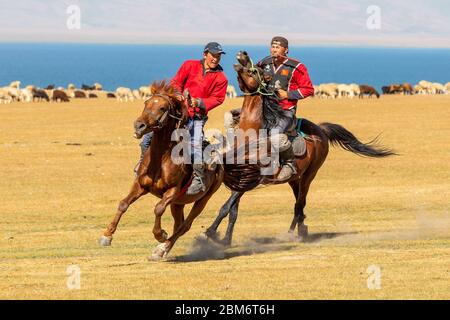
x: 292, y: 169
x: 194, y: 189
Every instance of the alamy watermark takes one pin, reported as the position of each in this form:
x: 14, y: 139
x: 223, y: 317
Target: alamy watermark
x: 374, y: 20
x: 374, y: 278
x: 74, y: 17
x: 74, y: 277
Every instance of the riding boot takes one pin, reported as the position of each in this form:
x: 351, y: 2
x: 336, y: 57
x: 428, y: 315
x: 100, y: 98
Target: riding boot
x: 197, y: 184
x: 136, y: 168
x: 145, y: 144
x: 287, y: 160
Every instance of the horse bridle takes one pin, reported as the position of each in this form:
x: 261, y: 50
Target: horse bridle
x: 161, y: 121
x: 261, y: 88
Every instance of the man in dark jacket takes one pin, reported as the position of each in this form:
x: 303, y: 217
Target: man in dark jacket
x: 291, y: 82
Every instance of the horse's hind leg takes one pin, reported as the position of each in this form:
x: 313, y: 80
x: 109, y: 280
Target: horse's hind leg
x: 300, y: 189
x: 231, y: 221
x: 136, y: 192
x: 211, y: 232
x: 295, y: 185
x: 298, y: 207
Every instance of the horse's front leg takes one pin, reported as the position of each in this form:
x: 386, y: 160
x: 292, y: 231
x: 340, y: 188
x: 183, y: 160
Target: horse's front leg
x: 160, y: 234
x: 163, y: 249
x: 177, y: 214
x: 136, y: 192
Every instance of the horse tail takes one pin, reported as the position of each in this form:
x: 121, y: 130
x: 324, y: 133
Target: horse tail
x: 340, y: 136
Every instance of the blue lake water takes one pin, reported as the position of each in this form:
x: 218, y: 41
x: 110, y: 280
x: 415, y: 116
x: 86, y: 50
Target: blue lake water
x: 136, y: 65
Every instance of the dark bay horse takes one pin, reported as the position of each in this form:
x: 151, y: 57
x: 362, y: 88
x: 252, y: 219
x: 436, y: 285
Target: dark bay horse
x: 239, y: 178
x: 159, y: 175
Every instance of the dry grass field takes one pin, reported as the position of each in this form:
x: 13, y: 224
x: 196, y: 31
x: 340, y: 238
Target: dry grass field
x: 64, y: 167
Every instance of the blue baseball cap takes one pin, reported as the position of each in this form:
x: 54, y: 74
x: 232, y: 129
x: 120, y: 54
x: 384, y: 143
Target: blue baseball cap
x: 214, y: 48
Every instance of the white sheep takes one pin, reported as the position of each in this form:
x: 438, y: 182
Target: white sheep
x: 328, y: 90
x: 49, y: 93
x: 437, y: 88
x: 4, y: 96
x: 355, y: 88
x: 136, y: 94
x: 145, y: 92
x: 419, y: 90
x: 15, y: 84
x: 426, y: 86
x: 13, y: 92
x: 123, y: 93
x: 345, y: 90
x: 447, y: 88
x: 26, y: 95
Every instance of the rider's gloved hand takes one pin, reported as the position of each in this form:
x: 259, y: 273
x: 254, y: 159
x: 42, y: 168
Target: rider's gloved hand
x: 180, y: 97
x: 198, y: 105
x: 282, y: 94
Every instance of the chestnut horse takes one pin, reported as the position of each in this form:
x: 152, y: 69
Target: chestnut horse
x: 159, y: 175
x: 242, y: 178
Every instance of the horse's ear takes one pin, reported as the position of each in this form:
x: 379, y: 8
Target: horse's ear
x: 170, y: 91
x: 153, y: 89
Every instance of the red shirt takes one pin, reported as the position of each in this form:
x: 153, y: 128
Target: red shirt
x: 300, y: 82
x: 210, y: 86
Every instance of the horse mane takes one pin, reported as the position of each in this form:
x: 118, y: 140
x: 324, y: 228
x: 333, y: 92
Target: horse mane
x: 165, y: 88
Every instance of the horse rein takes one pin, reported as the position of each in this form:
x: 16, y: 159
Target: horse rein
x: 261, y: 83
x: 160, y: 122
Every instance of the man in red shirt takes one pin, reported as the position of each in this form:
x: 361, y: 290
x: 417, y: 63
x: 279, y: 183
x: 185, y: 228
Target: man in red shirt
x: 207, y: 85
x: 291, y: 82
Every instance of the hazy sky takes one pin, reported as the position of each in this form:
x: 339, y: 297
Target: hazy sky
x: 308, y: 22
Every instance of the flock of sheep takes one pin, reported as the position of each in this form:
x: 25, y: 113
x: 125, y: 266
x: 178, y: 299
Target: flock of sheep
x: 31, y: 93
x: 426, y: 87
x: 334, y: 90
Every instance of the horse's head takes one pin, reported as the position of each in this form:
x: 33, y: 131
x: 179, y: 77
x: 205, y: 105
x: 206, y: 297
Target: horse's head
x: 250, y: 77
x: 160, y: 109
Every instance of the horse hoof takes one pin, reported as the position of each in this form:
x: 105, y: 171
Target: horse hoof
x: 290, y: 236
x: 105, y: 241
x: 212, y: 235
x: 302, y: 233
x: 202, y: 237
x: 154, y: 257
x: 225, y: 242
x: 159, y: 252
